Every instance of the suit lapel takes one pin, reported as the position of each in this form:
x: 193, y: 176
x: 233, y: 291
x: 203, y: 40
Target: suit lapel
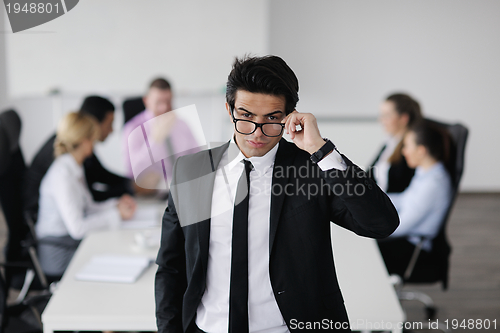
x: 284, y: 157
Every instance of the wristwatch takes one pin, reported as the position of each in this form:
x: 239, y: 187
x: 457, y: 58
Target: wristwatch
x: 323, y: 151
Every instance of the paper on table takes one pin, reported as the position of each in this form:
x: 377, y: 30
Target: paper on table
x: 114, y: 268
x: 144, y: 217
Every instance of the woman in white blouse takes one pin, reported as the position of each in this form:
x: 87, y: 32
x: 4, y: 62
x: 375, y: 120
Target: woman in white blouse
x: 424, y: 203
x: 66, y: 208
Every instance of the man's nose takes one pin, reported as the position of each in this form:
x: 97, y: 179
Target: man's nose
x: 258, y: 132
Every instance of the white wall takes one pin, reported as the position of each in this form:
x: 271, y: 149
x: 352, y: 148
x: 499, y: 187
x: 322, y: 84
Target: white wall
x: 119, y: 45
x: 3, y: 67
x: 348, y: 55
x: 115, y: 47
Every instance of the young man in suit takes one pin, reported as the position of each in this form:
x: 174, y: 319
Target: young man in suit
x: 264, y: 263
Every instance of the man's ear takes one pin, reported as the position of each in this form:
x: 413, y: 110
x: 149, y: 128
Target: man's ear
x: 145, y: 100
x: 228, y: 109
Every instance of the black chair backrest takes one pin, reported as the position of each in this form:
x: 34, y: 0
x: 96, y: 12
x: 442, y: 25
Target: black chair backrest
x: 458, y: 134
x: 441, y: 248
x: 10, y: 130
x: 12, y: 168
x: 132, y: 107
x: 12, y: 127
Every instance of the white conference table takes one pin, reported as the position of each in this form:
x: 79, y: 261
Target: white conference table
x: 369, y: 297
x: 100, y: 306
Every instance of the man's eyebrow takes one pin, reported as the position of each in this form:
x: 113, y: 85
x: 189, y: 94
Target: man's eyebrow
x: 273, y: 113
x: 269, y: 114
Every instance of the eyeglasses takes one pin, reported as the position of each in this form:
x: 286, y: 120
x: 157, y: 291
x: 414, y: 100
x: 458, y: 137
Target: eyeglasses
x: 247, y: 127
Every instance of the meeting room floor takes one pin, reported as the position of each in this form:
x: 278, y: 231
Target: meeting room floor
x: 474, y: 286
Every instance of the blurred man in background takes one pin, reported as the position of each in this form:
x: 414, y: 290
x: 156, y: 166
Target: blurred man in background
x: 163, y: 140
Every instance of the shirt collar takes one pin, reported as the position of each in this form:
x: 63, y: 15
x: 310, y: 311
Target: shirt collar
x: 260, y: 163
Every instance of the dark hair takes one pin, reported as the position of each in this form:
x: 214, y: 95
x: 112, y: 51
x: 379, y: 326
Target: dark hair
x: 435, y: 139
x: 97, y: 106
x: 406, y: 105
x: 267, y: 75
x: 160, y: 83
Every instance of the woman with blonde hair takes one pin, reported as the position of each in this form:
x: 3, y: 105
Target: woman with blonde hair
x: 66, y: 208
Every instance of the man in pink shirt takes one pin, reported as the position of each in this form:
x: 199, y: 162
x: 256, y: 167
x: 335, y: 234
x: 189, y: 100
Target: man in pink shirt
x: 153, y: 139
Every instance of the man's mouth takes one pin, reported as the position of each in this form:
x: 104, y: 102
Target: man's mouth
x: 256, y: 144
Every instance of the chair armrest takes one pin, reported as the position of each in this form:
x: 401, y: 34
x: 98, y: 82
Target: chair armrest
x: 413, y: 260
x: 34, y: 299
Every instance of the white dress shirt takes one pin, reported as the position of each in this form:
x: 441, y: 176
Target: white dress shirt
x: 263, y: 313
x: 66, y: 206
x: 422, y: 206
x: 382, y: 166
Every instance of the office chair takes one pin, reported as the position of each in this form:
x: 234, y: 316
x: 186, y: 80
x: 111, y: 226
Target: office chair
x: 434, y: 266
x: 12, y: 169
x: 132, y: 107
x: 23, y: 317
x: 21, y: 265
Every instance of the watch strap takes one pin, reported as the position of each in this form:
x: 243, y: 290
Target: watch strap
x: 323, y: 151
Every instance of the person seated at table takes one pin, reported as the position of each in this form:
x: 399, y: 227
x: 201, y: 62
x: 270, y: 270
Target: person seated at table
x: 102, y: 183
x: 390, y: 169
x: 167, y: 137
x: 423, y: 205
x: 67, y: 210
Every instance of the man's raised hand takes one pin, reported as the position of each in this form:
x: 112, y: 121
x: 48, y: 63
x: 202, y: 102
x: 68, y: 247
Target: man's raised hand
x: 307, y: 136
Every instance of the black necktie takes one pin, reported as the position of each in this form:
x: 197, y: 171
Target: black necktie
x: 238, y: 294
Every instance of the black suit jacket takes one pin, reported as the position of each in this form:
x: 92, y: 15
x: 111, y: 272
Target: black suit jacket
x: 94, y: 173
x: 399, y: 176
x: 301, y: 265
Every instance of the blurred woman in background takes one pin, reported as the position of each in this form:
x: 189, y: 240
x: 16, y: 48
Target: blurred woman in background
x: 390, y: 169
x: 423, y: 205
x: 66, y: 208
